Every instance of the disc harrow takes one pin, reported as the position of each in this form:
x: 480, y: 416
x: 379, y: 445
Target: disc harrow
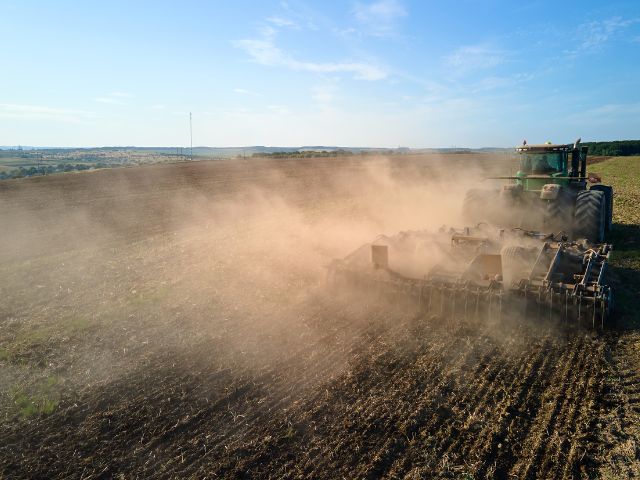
x: 485, y: 274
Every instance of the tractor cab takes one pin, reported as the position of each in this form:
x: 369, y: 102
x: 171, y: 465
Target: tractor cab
x: 543, y: 163
x: 549, y: 163
x: 547, y: 194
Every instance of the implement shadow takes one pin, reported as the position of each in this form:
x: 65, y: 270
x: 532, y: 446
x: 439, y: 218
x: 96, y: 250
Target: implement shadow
x: 625, y: 274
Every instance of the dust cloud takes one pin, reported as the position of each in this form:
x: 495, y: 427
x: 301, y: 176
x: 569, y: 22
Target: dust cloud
x: 103, y: 271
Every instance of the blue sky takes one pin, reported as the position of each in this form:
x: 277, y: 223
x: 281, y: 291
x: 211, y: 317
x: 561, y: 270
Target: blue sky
x: 383, y: 73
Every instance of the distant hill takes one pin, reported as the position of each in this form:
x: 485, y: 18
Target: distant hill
x: 27, y: 161
x: 245, y: 151
x: 611, y: 148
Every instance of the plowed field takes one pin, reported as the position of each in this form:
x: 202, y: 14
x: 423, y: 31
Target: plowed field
x: 172, y: 321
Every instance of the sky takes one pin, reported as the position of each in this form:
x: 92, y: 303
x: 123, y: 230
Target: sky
x: 382, y: 73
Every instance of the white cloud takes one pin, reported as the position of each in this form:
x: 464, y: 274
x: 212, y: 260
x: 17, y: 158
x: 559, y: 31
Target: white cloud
x: 361, y: 71
x: 594, y: 35
x: 379, y: 18
x: 474, y: 57
x: 264, y: 51
x: 9, y: 110
x: 279, y: 21
x: 297, y: 16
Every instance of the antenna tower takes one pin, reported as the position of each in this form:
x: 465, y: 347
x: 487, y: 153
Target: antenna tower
x: 191, y: 134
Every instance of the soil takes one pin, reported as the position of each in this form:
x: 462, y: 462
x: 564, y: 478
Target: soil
x: 175, y: 319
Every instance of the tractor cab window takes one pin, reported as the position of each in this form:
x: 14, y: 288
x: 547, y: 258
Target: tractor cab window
x: 541, y: 163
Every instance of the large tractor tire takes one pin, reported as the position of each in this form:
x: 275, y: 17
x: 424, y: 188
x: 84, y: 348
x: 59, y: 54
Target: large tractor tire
x: 480, y: 206
x: 608, y: 196
x: 589, y: 220
x: 558, y: 216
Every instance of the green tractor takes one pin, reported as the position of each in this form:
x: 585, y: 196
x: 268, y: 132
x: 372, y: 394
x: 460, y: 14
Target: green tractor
x: 549, y: 194
x: 532, y: 248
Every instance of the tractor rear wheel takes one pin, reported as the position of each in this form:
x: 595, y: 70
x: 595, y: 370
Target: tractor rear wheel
x: 589, y: 220
x: 608, y: 197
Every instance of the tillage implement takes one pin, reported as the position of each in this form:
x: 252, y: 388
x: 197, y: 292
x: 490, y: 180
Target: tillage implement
x: 508, y: 263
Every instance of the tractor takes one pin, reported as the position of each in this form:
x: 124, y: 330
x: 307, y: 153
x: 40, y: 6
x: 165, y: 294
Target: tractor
x: 548, y: 193
x: 535, y: 245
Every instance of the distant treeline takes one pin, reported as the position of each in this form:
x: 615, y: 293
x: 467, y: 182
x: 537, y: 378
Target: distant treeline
x: 305, y: 154
x: 618, y: 148
x: 48, y: 169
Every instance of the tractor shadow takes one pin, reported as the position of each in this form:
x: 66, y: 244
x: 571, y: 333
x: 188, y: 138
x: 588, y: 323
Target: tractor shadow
x: 625, y: 274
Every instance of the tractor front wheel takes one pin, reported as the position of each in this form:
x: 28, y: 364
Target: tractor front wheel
x: 558, y: 214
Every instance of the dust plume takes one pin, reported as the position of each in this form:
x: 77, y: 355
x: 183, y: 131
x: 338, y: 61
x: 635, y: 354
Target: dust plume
x: 122, y: 265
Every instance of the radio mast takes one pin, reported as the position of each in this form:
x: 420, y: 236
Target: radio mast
x: 191, y: 134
